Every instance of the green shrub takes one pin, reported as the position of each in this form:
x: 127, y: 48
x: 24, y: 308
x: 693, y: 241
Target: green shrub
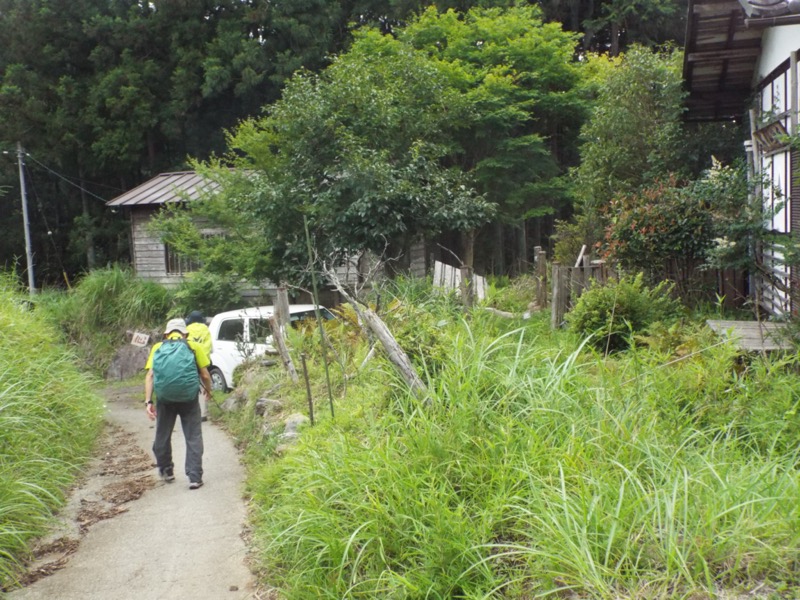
x: 610, y: 314
x: 512, y: 296
x: 106, y: 303
x: 207, y: 292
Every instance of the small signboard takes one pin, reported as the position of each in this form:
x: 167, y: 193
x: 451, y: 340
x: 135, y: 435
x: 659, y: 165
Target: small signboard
x: 140, y: 339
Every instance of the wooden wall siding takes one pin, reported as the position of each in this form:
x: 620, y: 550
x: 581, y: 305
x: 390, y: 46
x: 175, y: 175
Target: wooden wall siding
x: 148, y: 251
x: 150, y: 258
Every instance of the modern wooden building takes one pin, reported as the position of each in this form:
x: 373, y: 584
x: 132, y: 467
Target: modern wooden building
x: 741, y: 63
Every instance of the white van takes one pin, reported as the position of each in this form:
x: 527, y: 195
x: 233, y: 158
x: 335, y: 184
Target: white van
x: 245, y: 333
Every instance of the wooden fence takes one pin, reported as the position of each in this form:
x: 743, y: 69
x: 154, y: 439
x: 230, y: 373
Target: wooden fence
x: 459, y: 279
x: 570, y: 282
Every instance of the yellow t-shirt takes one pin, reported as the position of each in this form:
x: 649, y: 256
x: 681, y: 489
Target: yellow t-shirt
x: 199, y: 353
x: 198, y: 332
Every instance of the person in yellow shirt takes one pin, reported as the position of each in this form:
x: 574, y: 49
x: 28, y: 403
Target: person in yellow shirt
x: 176, y: 370
x: 199, y: 333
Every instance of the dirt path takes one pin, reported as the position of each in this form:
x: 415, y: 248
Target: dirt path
x: 125, y: 534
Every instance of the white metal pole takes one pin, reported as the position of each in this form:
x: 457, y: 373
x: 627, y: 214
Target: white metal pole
x: 28, y: 251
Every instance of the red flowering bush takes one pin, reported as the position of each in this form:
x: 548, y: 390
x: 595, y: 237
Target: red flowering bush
x: 662, y: 230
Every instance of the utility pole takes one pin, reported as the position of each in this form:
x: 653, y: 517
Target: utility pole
x: 28, y: 251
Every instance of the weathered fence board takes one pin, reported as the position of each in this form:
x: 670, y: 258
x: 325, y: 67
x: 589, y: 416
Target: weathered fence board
x: 569, y: 283
x: 449, y: 278
x: 754, y: 335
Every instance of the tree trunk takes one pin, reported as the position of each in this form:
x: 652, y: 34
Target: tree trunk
x: 522, y: 249
x: 468, y: 238
x: 393, y: 350
x: 283, y: 351
x: 588, y: 36
x: 575, y: 15
x: 614, y: 39
x: 498, y: 259
x: 282, y: 305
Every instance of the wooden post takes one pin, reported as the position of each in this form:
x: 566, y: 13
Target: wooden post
x: 575, y: 285
x: 536, y: 280
x: 395, y: 353
x: 282, y: 305
x: 555, y: 317
x: 580, y: 256
x: 541, y: 277
x: 467, y: 287
x: 283, y: 351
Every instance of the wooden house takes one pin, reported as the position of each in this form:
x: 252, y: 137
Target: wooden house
x: 152, y: 259
x: 741, y: 63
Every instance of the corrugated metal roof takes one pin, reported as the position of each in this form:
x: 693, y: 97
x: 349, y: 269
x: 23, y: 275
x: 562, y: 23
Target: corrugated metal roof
x: 166, y: 187
x: 720, y: 60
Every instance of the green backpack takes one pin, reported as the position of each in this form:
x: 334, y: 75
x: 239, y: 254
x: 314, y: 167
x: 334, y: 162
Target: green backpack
x: 175, y: 376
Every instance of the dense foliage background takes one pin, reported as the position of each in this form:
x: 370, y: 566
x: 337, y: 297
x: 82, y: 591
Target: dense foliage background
x: 103, y: 96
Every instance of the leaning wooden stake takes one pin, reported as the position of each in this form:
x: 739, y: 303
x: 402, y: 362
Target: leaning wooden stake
x: 323, y: 348
x: 282, y: 305
x: 393, y: 350
x: 541, y: 278
x: 283, y: 351
x: 375, y: 324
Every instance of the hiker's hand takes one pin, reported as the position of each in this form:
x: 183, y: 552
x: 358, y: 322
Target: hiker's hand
x: 151, y: 411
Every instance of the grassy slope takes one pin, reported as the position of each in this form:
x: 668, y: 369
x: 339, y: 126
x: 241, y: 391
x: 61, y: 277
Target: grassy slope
x: 536, y: 468
x: 49, y: 419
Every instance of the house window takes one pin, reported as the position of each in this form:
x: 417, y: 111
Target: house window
x: 178, y: 264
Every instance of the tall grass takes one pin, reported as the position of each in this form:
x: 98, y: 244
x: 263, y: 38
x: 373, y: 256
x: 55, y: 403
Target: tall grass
x: 49, y: 419
x: 535, y: 471
x: 106, y: 303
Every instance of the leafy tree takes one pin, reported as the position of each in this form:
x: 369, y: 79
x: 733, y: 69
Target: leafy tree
x: 634, y: 134
x: 356, y: 151
x: 387, y: 144
x: 517, y: 75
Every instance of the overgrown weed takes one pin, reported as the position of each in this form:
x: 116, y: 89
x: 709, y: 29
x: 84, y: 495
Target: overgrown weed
x: 536, y: 466
x: 96, y: 314
x: 49, y: 419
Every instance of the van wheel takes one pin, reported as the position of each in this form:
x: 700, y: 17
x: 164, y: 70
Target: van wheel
x: 217, y: 380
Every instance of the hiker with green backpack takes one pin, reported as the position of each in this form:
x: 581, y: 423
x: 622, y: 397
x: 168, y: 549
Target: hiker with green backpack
x: 176, y: 368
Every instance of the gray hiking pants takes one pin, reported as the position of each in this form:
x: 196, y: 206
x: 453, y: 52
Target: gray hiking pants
x: 191, y: 423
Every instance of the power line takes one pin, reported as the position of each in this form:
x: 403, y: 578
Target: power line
x: 66, y: 179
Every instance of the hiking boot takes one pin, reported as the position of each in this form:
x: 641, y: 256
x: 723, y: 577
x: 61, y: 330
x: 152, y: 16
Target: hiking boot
x: 195, y: 484
x: 168, y: 474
